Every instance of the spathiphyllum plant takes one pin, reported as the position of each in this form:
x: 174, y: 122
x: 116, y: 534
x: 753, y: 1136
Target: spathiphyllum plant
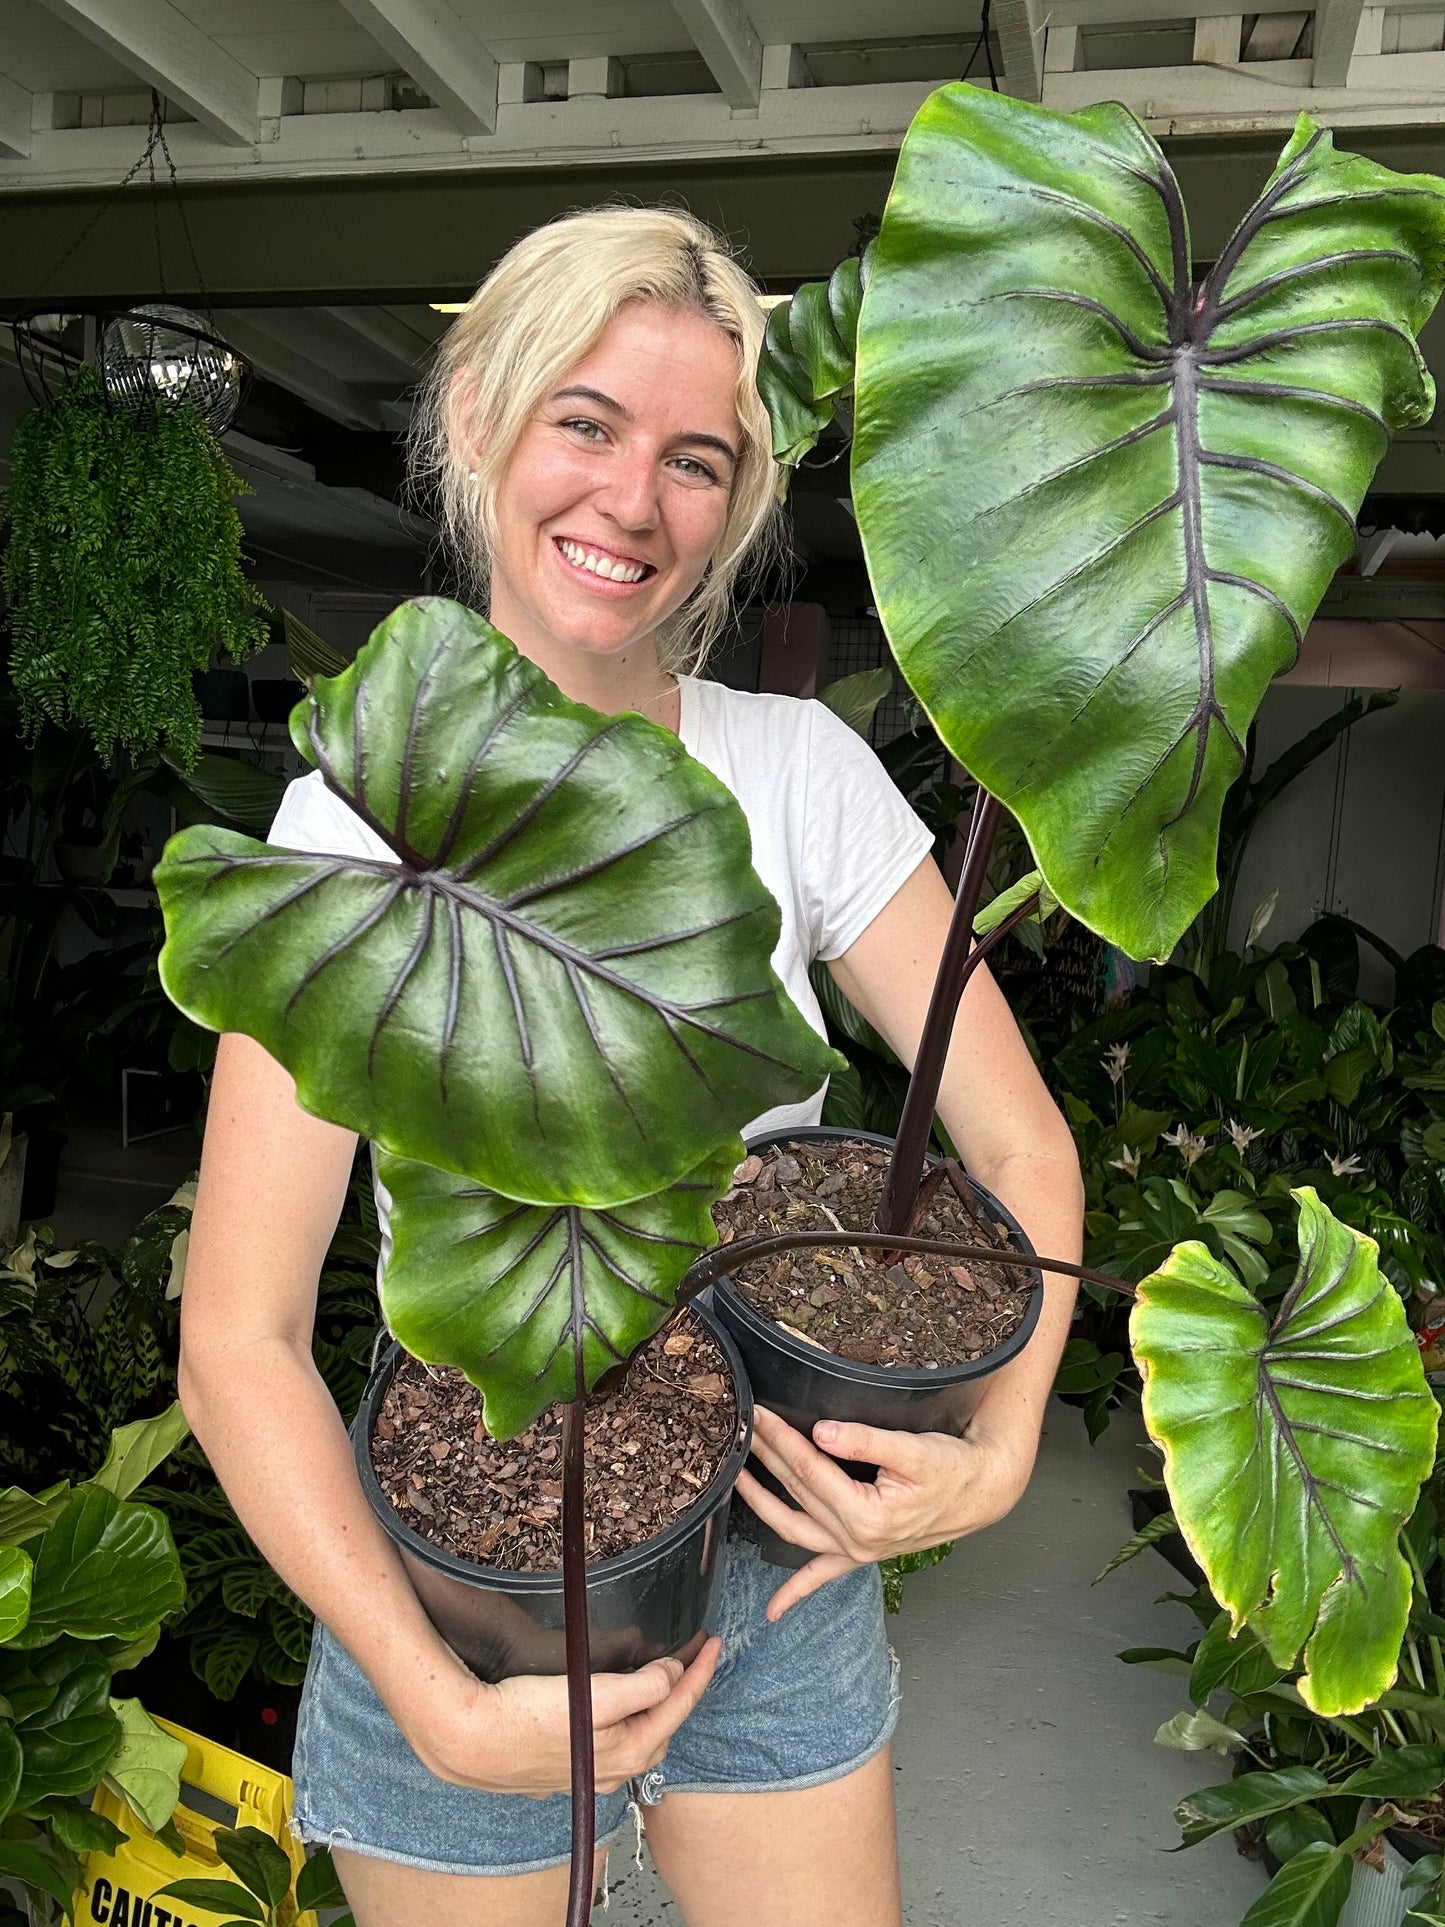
x: 1099, y: 502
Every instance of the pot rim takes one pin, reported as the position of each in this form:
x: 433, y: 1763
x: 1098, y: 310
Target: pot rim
x: 908, y: 1378
x: 621, y: 1564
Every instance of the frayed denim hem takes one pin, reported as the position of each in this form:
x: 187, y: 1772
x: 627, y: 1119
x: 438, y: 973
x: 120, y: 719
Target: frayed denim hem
x: 310, y: 1835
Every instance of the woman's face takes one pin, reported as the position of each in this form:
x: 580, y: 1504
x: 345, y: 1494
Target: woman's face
x: 617, y: 491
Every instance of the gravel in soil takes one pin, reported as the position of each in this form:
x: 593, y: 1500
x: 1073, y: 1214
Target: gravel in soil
x: 923, y: 1313
x: 653, y: 1446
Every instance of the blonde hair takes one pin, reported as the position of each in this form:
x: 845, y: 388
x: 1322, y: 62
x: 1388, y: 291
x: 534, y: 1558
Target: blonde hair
x: 543, y: 308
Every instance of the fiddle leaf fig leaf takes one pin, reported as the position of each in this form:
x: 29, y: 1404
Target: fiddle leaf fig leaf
x: 553, y: 975
x: 507, y: 1292
x: 1294, y: 1449
x: 1099, y: 504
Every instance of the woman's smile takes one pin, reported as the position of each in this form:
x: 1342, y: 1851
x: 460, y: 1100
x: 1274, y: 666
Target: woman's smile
x: 606, y: 567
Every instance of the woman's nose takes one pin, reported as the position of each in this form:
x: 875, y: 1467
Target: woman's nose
x: 629, y: 494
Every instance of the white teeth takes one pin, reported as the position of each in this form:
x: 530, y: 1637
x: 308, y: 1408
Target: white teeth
x: 611, y: 569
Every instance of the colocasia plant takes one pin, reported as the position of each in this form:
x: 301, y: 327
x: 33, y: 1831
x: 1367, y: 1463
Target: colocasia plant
x: 1098, y: 503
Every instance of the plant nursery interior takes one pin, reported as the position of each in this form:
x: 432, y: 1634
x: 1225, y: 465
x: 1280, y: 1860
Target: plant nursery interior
x: 1097, y: 344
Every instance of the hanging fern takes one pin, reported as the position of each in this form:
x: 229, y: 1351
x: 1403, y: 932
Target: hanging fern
x: 123, y: 570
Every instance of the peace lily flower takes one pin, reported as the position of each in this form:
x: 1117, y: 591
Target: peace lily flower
x: 1241, y: 1136
x: 1114, y: 1062
x: 1128, y: 1162
x: 1189, y: 1147
x: 1349, y: 1167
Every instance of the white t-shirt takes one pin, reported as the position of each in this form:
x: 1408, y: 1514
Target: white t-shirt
x: 832, y: 838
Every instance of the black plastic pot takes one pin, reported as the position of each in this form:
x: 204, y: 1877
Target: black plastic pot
x: 803, y: 1384
x: 655, y: 1601
x: 224, y: 694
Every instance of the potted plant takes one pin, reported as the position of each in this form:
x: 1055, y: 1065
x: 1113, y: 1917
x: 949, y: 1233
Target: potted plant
x: 86, y: 1577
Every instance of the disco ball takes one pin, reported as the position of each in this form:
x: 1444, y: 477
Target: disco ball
x: 162, y: 354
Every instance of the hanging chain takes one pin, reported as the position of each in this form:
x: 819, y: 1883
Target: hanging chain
x: 106, y: 205
x: 160, y: 131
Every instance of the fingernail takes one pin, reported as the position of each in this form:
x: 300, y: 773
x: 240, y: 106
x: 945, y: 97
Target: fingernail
x: 825, y: 1432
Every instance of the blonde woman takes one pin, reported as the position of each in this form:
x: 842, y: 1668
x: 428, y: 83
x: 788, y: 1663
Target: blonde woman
x: 603, y: 458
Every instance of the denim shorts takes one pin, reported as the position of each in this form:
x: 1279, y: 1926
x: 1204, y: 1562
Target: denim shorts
x: 791, y: 1705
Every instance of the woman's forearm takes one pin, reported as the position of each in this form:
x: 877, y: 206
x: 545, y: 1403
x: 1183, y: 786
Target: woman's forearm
x: 276, y: 1443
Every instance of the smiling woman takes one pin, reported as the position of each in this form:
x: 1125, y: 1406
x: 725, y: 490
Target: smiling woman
x: 662, y: 404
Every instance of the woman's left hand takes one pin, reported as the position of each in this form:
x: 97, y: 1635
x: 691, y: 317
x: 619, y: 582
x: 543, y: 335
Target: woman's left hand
x: 930, y: 1487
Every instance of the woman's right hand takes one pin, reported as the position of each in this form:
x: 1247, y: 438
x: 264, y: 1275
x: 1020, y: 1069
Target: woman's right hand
x: 513, y: 1737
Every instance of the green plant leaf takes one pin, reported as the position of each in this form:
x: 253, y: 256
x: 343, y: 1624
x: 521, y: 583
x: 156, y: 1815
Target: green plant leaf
x: 1401, y: 1773
x: 856, y: 698
x: 508, y: 1292
x: 137, y: 1449
x: 22, y: 1516
x: 1198, y: 1732
x: 1294, y: 1448
x: 806, y: 365
x: 146, y: 1772
x: 1007, y: 901
x: 571, y: 887
x: 1290, y: 1832
x: 83, y: 1831
x: 1308, y: 1891
x: 1159, y: 1527
x: 257, y: 1861
x: 12, y: 1767
x: 238, y: 791
x: 107, y: 1569
x: 1058, y: 438
x: 1253, y: 1796
x: 310, y: 655
x: 317, y: 1885
x: 34, y: 1868
x: 1241, y: 1664
x: 15, y: 1570
x: 71, y: 1735
x: 221, y: 1896
x: 226, y: 1659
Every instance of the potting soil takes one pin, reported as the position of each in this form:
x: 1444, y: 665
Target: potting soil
x: 652, y: 1447
x: 923, y: 1312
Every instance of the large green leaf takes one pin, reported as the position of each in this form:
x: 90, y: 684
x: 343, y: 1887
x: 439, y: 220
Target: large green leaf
x: 554, y: 978
x: 137, y: 1449
x: 70, y: 1736
x: 806, y: 366
x: 14, y: 1591
x: 1252, y: 1796
x: 107, y: 1569
x: 146, y: 1771
x: 1294, y: 1448
x: 1308, y: 1891
x: 1099, y: 504
x: 507, y: 1291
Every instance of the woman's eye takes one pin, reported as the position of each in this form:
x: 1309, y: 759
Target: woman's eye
x: 590, y: 431
x: 696, y: 470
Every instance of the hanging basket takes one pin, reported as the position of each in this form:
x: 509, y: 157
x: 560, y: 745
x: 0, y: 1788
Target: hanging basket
x: 152, y: 355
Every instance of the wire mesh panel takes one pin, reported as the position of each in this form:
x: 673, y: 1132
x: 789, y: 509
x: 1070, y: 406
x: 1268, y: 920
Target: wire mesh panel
x: 857, y: 643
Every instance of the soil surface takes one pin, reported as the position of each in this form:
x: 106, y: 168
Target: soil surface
x: 653, y: 1445
x: 922, y: 1313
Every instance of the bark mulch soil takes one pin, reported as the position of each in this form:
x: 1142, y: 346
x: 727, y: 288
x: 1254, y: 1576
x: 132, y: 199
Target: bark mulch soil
x: 922, y: 1313
x: 653, y: 1446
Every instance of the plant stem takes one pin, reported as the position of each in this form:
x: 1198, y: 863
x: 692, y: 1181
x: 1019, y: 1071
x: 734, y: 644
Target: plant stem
x: 579, y: 1652
x: 725, y: 1258
x: 905, y: 1170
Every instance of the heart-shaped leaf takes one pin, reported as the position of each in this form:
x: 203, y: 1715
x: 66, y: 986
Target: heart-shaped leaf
x: 508, y: 1291
x: 107, y: 1569
x: 1294, y: 1448
x: 552, y: 977
x: 1099, y: 504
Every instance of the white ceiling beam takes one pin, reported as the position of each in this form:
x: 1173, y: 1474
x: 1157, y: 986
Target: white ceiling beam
x: 15, y: 106
x: 156, y: 40
x: 1336, y: 24
x: 263, y: 342
x: 1021, y: 29
x: 440, y: 53
x: 723, y: 33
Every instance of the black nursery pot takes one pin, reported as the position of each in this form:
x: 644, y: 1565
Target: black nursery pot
x: 655, y: 1601
x: 803, y: 1384
x: 275, y: 697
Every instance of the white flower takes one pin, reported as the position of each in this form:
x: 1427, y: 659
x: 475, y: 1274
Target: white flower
x: 1128, y: 1163
x: 1189, y: 1147
x: 1349, y: 1167
x: 1114, y: 1062
x: 1241, y: 1136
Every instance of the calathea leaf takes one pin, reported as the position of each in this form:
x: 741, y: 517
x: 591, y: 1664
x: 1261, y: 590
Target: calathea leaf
x: 1294, y: 1449
x: 1099, y: 504
x: 508, y: 1291
x: 553, y: 976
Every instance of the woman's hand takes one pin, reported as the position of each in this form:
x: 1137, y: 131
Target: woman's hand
x: 930, y: 1487
x: 513, y: 1737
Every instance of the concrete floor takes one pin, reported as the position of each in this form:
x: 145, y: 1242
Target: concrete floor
x: 1029, y: 1787
x: 1030, y: 1791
